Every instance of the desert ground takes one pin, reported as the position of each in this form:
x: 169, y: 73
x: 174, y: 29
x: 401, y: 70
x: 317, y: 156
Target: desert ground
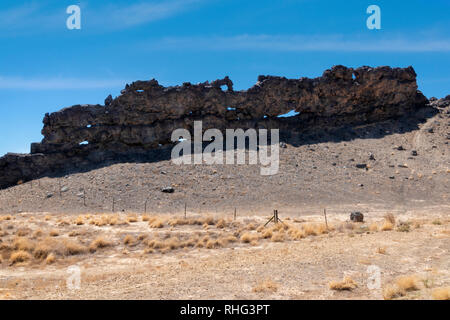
x: 138, y: 256
x: 133, y: 241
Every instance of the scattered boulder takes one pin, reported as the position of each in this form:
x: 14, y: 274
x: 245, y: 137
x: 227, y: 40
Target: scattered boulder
x: 414, y: 153
x: 168, y: 190
x: 356, y: 216
x: 361, y: 165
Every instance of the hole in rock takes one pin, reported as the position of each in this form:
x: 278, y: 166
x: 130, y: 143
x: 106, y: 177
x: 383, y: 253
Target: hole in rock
x: 291, y: 113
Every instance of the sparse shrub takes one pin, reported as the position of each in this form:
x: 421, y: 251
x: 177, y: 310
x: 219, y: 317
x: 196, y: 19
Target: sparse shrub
x: 267, y: 234
x: 408, y: 283
x: 392, y: 291
x: 73, y: 248
x: 129, y: 240
x: 54, y: 233
x: 19, y: 256
x: 156, y: 223
x: 251, y: 226
x: 145, y: 217
x: 221, y: 224
x: 309, y: 229
x: 43, y: 248
x: 23, y: 244
x: 346, y: 284
x: 211, y: 244
x: 297, y: 234
x: 99, y: 243
x: 132, y: 218
x: 172, y: 243
x: 50, y: 259
x: 79, y: 221
x: 209, y: 220
x: 437, y: 222
x: 441, y: 293
x: 248, y: 237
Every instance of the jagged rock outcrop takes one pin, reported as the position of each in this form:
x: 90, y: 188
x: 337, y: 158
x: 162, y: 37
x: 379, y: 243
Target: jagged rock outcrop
x: 145, y: 114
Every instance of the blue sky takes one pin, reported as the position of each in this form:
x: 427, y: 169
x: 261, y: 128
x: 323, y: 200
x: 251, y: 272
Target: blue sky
x: 45, y: 67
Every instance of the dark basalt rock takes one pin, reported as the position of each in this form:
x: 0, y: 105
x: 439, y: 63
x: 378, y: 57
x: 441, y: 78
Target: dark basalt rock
x: 143, y: 117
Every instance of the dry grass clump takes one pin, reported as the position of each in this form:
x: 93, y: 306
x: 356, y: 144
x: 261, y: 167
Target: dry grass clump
x: 381, y: 250
x: 390, y: 217
x: 296, y: 234
x: 54, y: 233
x: 346, y: 284
x: 145, y: 217
x: 266, y: 234
x: 5, y: 218
x: 129, y: 240
x: 401, y: 286
x: 51, y: 258
x: 392, y: 291
x: 437, y: 222
x: 221, y: 224
x: 79, y: 221
x: 387, y: 226
x: 249, y: 237
x: 132, y: 218
x: 23, y: 244
x: 408, y: 283
x: 441, y: 293
x: 312, y: 229
x: 213, y: 244
x: 73, y: 248
x: 278, y: 237
x: 156, y: 223
x: 99, y: 243
x: 266, y: 286
x: 209, y: 220
x: 19, y: 256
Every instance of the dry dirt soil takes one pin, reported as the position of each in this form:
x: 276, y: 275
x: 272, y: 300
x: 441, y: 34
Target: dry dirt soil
x: 51, y: 224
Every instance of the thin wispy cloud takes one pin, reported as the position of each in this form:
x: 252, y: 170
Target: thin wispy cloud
x: 301, y: 43
x: 34, y: 18
x: 58, y: 83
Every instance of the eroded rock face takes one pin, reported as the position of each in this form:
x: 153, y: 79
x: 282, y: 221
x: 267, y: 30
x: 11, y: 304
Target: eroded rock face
x: 146, y: 113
